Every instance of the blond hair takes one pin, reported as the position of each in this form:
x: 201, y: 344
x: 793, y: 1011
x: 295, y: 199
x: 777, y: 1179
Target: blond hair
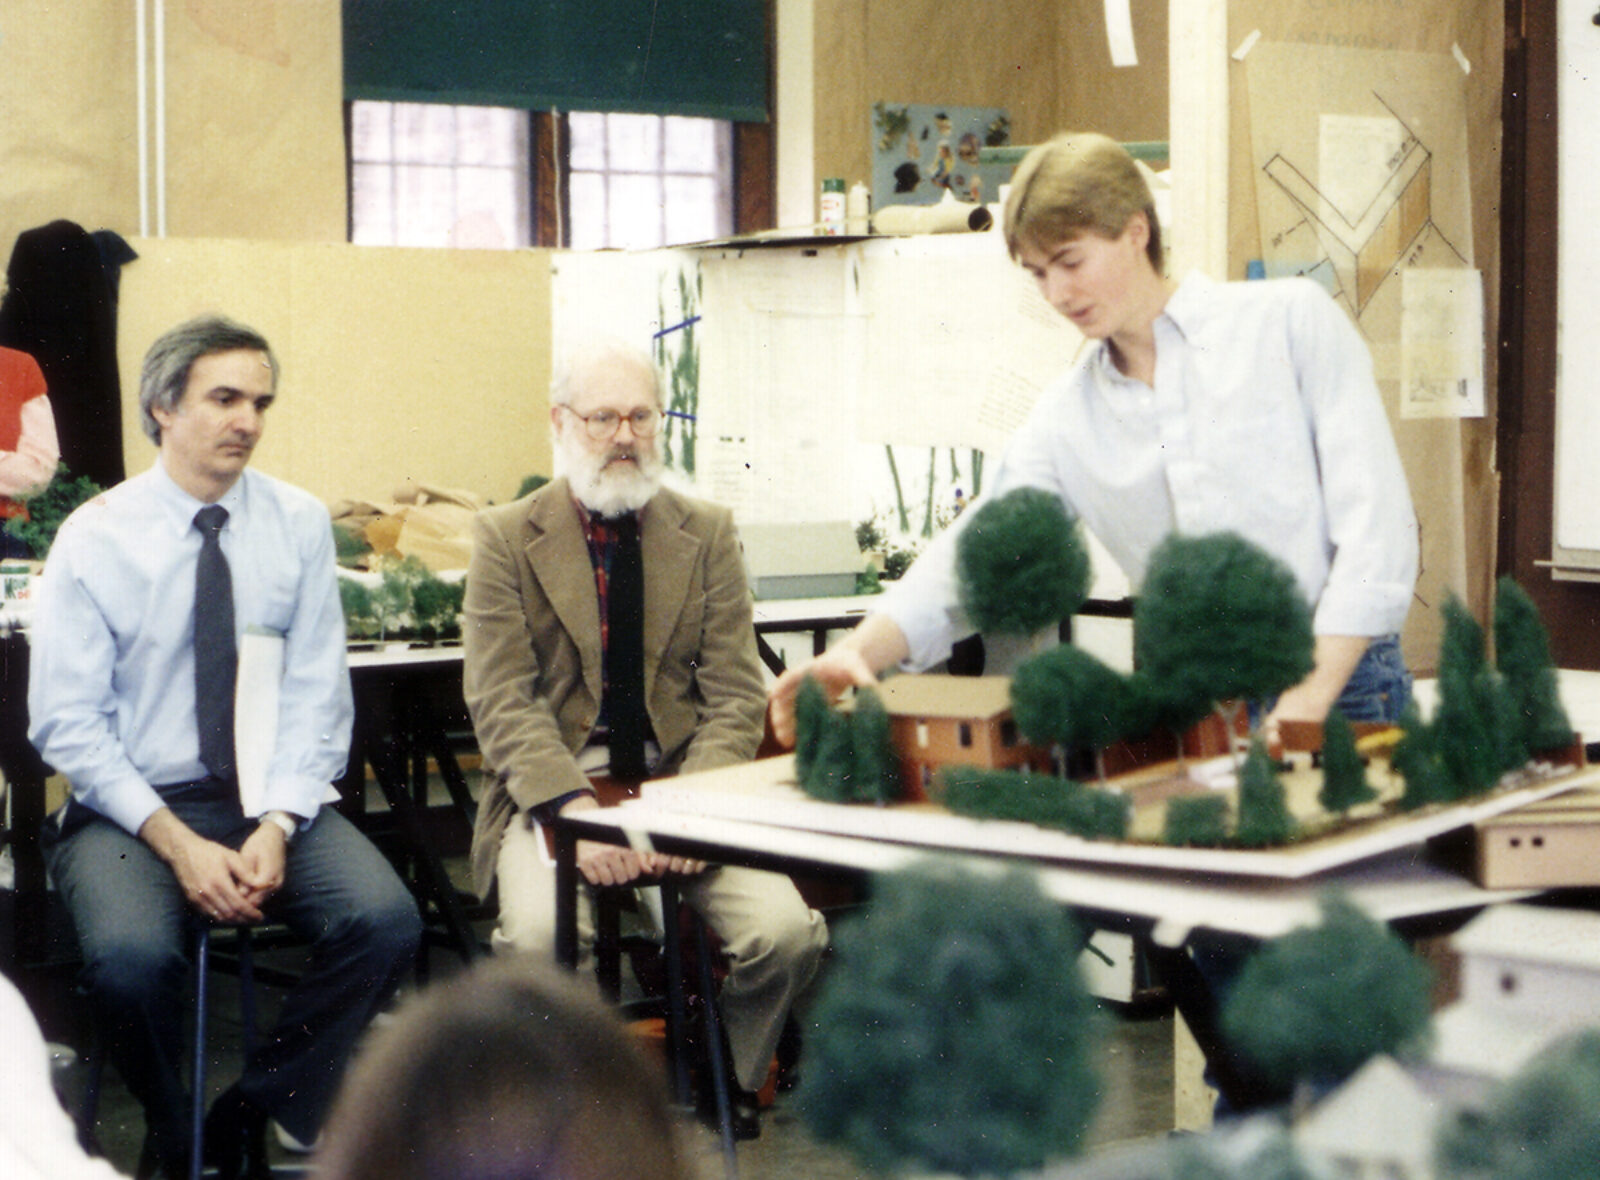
x: 1075, y: 183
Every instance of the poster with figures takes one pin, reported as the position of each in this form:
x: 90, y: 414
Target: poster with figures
x: 920, y: 153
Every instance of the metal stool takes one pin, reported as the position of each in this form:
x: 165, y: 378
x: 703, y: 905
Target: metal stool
x: 88, y: 1108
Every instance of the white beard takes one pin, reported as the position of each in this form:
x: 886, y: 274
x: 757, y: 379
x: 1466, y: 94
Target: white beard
x: 610, y: 489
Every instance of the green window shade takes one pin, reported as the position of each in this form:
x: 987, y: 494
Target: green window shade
x: 665, y: 57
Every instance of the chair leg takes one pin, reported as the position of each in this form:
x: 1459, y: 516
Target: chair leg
x: 197, y: 1113
x: 677, y: 1005
x: 714, y: 1046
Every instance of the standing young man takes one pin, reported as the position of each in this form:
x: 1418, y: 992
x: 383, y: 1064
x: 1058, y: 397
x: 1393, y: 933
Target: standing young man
x: 1203, y: 406
x: 146, y: 593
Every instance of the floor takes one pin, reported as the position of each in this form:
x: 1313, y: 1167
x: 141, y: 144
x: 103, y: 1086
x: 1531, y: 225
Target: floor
x: 1136, y: 1071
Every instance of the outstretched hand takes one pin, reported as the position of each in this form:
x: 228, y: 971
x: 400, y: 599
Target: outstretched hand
x: 835, y: 670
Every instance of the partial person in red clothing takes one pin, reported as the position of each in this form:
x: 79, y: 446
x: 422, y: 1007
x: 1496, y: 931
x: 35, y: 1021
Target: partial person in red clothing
x: 29, y: 450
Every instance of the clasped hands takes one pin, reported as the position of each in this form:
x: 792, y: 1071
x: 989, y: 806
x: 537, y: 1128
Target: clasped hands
x: 226, y: 886
x: 612, y: 864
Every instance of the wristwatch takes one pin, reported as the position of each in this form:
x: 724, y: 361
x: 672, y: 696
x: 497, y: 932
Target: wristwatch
x: 285, y: 822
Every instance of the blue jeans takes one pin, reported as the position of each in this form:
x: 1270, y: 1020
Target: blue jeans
x: 1380, y: 687
x: 135, y: 929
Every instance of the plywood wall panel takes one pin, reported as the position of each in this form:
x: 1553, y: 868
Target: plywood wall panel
x: 429, y: 365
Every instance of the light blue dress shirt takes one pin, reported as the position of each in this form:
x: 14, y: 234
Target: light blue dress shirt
x: 111, y: 688
x: 1264, y: 418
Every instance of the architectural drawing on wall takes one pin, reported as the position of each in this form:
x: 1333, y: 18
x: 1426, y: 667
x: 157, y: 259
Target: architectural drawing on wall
x: 1358, y: 175
x: 1366, y: 236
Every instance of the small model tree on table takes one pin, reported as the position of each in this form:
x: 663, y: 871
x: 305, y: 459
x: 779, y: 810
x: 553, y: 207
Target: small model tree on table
x: 1475, y: 728
x: 1522, y: 656
x: 1416, y: 759
x: 844, y: 755
x: 1067, y: 698
x: 1264, y: 818
x: 1220, y: 619
x: 1344, y: 774
x: 1021, y: 564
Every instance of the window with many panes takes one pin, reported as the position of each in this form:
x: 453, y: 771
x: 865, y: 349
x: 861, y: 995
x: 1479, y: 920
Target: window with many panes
x: 426, y: 174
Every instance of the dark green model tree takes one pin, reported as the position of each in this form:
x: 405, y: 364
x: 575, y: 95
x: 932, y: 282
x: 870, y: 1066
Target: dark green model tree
x: 1315, y: 1004
x: 811, y: 716
x: 1264, y: 820
x: 1041, y: 799
x: 1220, y: 619
x: 1474, y: 727
x: 941, y: 977
x: 1522, y: 656
x: 1416, y: 760
x: 1066, y: 697
x: 1196, y: 821
x: 1021, y: 564
x: 1344, y: 774
x: 844, y: 755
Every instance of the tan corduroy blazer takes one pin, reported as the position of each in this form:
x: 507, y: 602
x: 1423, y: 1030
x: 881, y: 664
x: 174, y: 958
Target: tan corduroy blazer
x: 531, y: 628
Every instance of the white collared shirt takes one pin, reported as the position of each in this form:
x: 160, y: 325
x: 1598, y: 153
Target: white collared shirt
x: 1264, y: 419
x: 111, y: 688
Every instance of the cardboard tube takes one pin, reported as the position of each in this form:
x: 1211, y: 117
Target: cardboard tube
x: 948, y: 216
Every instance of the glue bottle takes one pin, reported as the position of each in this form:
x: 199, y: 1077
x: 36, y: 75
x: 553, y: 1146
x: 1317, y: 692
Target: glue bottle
x: 832, y: 209
x: 857, y: 209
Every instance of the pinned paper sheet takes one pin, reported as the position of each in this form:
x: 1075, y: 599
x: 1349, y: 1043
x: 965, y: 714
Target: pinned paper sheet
x: 1441, y: 343
x: 1119, y: 33
x: 255, y: 713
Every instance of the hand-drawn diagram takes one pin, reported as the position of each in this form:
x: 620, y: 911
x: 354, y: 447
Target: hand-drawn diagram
x: 1365, y: 246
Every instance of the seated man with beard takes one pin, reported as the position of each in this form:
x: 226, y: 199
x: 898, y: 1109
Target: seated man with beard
x: 570, y: 590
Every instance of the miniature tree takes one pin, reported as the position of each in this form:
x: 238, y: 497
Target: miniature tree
x: 360, y: 615
x: 1066, y: 697
x: 844, y: 756
x: 1344, y: 774
x: 1474, y: 741
x: 1416, y: 759
x: 1022, y: 564
x: 1522, y: 656
x: 436, y: 606
x: 1264, y: 818
x: 877, y: 769
x: 1173, y: 706
x: 811, y: 713
x: 943, y: 975
x: 1314, y: 1005
x: 1041, y: 799
x: 1218, y: 618
x: 1543, y: 1124
x: 1196, y: 821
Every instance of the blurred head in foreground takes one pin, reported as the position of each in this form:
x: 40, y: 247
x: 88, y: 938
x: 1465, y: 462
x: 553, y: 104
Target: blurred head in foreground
x: 507, y: 1071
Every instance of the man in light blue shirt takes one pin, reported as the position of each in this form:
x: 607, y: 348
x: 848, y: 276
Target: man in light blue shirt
x: 154, y: 841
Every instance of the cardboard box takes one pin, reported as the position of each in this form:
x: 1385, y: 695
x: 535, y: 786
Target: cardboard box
x: 1553, y: 842
x: 813, y: 560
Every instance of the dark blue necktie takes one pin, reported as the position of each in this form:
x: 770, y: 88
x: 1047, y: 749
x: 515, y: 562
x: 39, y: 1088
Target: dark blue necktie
x: 216, y: 658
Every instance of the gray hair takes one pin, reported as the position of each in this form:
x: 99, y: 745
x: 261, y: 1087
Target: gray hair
x: 165, y: 374
x: 591, y: 354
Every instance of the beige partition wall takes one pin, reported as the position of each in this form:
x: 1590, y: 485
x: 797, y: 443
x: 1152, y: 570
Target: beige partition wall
x: 230, y: 112
x: 397, y: 365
